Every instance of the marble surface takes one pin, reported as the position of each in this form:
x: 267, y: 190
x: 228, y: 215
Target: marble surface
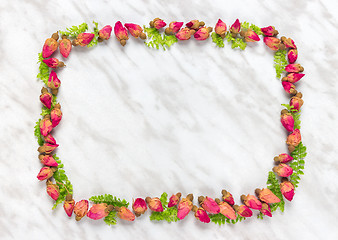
x: 194, y: 119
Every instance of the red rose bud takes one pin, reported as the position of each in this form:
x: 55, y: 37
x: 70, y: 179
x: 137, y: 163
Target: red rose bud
x: 69, y: 205
x: 226, y: 209
x: 269, y: 31
x: 227, y: 197
x: 194, y: 24
x: 46, y: 98
x: 50, y: 46
x: 272, y: 42
x: 294, y: 138
x: 185, y: 34
x: 174, y: 199
x: 139, y: 206
x: 209, y: 204
x: 83, y: 39
x: 48, y: 160
x: 266, y: 210
x: 53, y: 82
x: 289, y: 87
x: 267, y: 196
x: 154, y: 204
x: 45, y: 125
x: 125, y: 214
x: 243, y: 211
x: 287, y: 121
x: 283, y: 170
x: 297, y: 101
x: 135, y: 30
x: 105, y: 32
x: 251, y: 202
x: 221, y: 28
x: 294, y: 68
x: 287, y: 189
x: 53, y: 190
x: 80, y: 209
x: 201, y: 214
x: 45, y: 173
x: 202, y: 33
x: 47, y: 148
x: 121, y: 33
x: 292, y: 55
x: 293, y: 77
x: 50, y: 139
x: 98, y: 211
x: 157, y: 23
x: 53, y: 63
x: 283, y: 158
x: 184, y: 207
x: 249, y: 35
x: 65, y: 46
x: 288, y: 42
x: 173, y: 28
x: 236, y: 27
x: 56, y: 115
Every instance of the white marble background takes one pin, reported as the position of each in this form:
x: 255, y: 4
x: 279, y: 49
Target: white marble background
x: 138, y: 121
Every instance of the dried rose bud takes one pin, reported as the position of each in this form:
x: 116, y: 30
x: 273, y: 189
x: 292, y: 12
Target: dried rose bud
x: 269, y: 31
x: 48, y: 160
x: 293, y: 77
x: 50, y: 139
x: 201, y: 214
x: 174, y: 199
x: 243, y: 211
x: 53, y: 63
x: 194, y: 24
x: 289, y: 87
x: 65, y: 46
x: 221, y: 28
x: 125, y: 214
x: 173, y: 28
x: 154, y: 204
x: 249, y: 35
x: 296, y: 102
x: 47, y: 148
x: 266, y: 195
x: 98, y: 211
x: 236, y: 27
x: 135, y: 30
x: 283, y: 170
x: 46, y: 125
x: 121, y: 33
x: 83, y: 39
x: 81, y: 209
x: 272, y: 42
x: 53, y: 190
x: 69, y: 205
x: 209, y: 204
x: 184, y: 34
x: 56, y: 115
x: 184, y: 207
x: 46, y: 98
x: 227, y: 197
x: 105, y: 32
x: 294, y: 138
x: 287, y: 189
x: 283, y: 158
x: 49, y: 47
x: 266, y: 210
x: 288, y: 42
x: 157, y: 23
x: 251, y: 202
x: 292, y: 55
x: 45, y: 173
x: 202, y: 34
x: 294, y: 68
x: 139, y: 206
x: 226, y: 209
x: 53, y: 82
x: 287, y: 121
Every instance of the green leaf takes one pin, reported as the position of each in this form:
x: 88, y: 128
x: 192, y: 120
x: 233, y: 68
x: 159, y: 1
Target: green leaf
x: 168, y: 214
x: 216, y: 38
x: 273, y: 185
x: 297, y: 164
x: 75, y: 30
x: 110, y: 200
x: 221, y: 219
x: 96, y: 37
x: 280, y: 62
x: 246, y: 25
x: 111, y: 218
x: 235, y: 42
x: 43, y: 74
x: 37, y: 133
x: 156, y: 39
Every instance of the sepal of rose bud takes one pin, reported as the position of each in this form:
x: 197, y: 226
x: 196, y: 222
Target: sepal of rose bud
x: 69, y: 205
x: 269, y: 31
x: 250, y: 35
x: 294, y: 138
x: 174, y: 199
x: 125, y: 214
x: 227, y: 197
x: 121, y: 33
x: 98, y: 211
x: 53, y: 63
x: 209, y: 205
x: 139, y: 206
x: 220, y: 28
x: 45, y: 173
x: 174, y: 27
x: 154, y: 204
x: 105, y: 32
x: 65, y: 47
x: 272, y: 42
x: 46, y: 125
x: 267, y: 196
x: 287, y: 121
x: 243, y: 211
x: 289, y: 87
x: 53, y: 82
x: 48, y: 160
x: 194, y: 24
x: 184, y: 207
x: 287, y: 189
x: 227, y: 210
x: 283, y: 158
x: 53, y: 190
x: 293, y: 77
x: 266, y: 210
x: 49, y: 47
x: 283, y: 170
x: 81, y: 209
x: 46, y: 98
x: 157, y: 23
x: 47, y: 148
x: 56, y: 115
x: 251, y: 202
x: 134, y: 29
x: 202, y: 34
x: 184, y: 34
x: 236, y: 27
x: 50, y: 139
x: 83, y: 39
x: 202, y: 215
x: 292, y: 55
x: 294, y: 68
x: 288, y: 42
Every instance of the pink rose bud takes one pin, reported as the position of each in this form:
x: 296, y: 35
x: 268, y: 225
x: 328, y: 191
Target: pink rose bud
x: 220, y: 28
x: 296, y: 102
x: 283, y: 158
x: 139, y: 206
x: 287, y: 121
x: 154, y: 204
x: 69, y: 205
x: 50, y: 46
x: 50, y: 139
x: 174, y: 27
x: 53, y: 190
x: 56, y: 115
x: 272, y: 42
x: 98, y: 211
x: 65, y: 47
x: 288, y: 42
x: 83, y: 39
x: 289, y: 87
x: 45, y: 173
x: 294, y: 138
x: 226, y: 210
x: 125, y: 214
x: 293, y: 77
x: 202, y: 215
x: 134, y: 29
x: 46, y: 98
x: 267, y: 196
x: 174, y: 199
x: 194, y: 24
x: 294, y: 68
x: 251, y: 36
x: 243, y: 211
x: 283, y: 170
x: 46, y: 125
x: 81, y: 209
x: 184, y: 34
x: 105, y: 32
x: 184, y: 207
x: 48, y: 160
x: 251, y: 202
x: 292, y: 55
x: 202, y: 34
x: 209, y: 205
x: 47, y: 148
x: 157, y: 23
x: 269, y: 31
x: 287, y: 189
x: 266, y: 210
x: 53, y: 63
x: 53, y: 82
x: 227, y: 197
x: 121, y: 33
x: 236, y: 27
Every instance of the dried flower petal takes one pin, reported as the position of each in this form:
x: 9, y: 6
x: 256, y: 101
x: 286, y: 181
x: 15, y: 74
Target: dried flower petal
x: 194, y: 24
x: 249, y: 35
x: 266, y: 210
x: 294, y: 138
x: 236, y: 27
x: 289, y: 87
x: 139, y: 206
x: 296, y: 102
x: 292, y: 55
x: 287, y: 189
x: 53, y: 190
x: 287, y: 121
x: 46, y: 125
x: 272, y: 42
x: 184, y: 34
x: 174, y: 200
x: 293, y: 77
x: 288, y: 42
x: 209, y: 205
x: 227, y: 210
x: 50, y: 139
x: 81, y: 209
x: 202, y: 215
x: 294, y: 68
x: 68, y: 206
x: 251, y: 202
x: 125, y: 214
x: 56, y: 115
x: 49, y: 47
x: 53, y: 62
x: 283, y: 158
x: 45, y: 173
x: 154, y: 204
x: 184, y: 207
x: 83, y: 39
x: 269, y: 31
x: 65, y: 47
x: 243, y: 210
x: 47, y: 148
x: 121, y: 33
x: 202, y: 34
x: 98, y: 211
x: 174, y: 27
x: 48, y: 160
x: 227, y: 197
x: 267, y: 196
x: 53, y: 82
x: 220, y: 28
x: 105, y: 32
x: 46, y: 98
x: 283, y: 170
x: 134, y: 29
x: 157, y: 23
